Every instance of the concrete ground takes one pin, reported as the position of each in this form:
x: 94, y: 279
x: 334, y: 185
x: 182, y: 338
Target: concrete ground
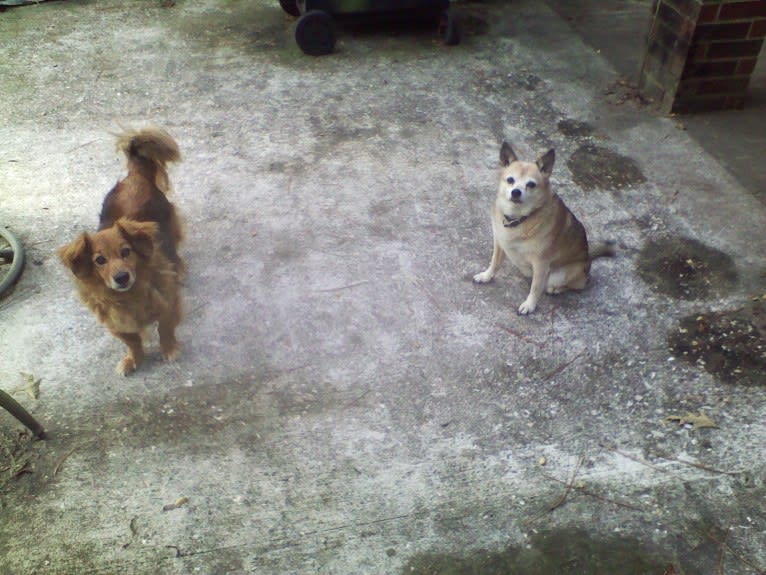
x: 348, y: 401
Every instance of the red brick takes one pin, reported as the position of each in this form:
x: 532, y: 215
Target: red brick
x: 708, y: 13
x: 723, y: 86
x: 734, y: 49
x: 758, y: 29
x: 695, y: 104
x: 743, y: 10
x: 730, y: 31
x: 734, y: 102
x: 699, y: 50
x: 746, y: 67
x: 710, y: 69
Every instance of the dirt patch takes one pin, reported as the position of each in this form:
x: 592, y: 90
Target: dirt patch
x: 17, y: 457
x: 559, y: 552
x: 594, y: 167
x: 574, y: 128
x: 730, y: 345
x: 684, y: 268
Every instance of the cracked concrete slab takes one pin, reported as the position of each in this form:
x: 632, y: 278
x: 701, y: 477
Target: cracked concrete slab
x: 347, y: 400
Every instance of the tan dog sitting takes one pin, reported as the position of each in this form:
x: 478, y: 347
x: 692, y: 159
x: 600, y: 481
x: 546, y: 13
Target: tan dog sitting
x: 532, y: 226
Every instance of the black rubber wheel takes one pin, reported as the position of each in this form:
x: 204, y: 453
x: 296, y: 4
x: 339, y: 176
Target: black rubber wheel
x: 315, y: 33
x: 290, y: 6
x: 448, y: 31
x: 11, y: 259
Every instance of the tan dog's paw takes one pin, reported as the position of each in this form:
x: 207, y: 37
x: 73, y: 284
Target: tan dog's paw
x: 482, y: 278
x: 126, y: 366
x: 527, y: 307
x: 171, y: 354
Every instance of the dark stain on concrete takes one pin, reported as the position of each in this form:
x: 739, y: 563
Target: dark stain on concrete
x: 574, y: 128
x: 553, y: 553
x: 730, y: 345
x: 594, y: 167
x: 684, y: 268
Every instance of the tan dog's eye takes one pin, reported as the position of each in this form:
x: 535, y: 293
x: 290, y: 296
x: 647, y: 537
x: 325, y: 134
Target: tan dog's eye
x: 510, y: 180
x: 124, y: 252
x: 100, y: 260
x: 531, y: 185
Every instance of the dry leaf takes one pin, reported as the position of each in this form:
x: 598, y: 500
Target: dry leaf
x: 181, y: 501
x: 698, y: 421
x: 31, y: 387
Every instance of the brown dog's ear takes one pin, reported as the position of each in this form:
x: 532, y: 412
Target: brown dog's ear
x: 140, y: 235
x: 78, y: 256
x: 545, y: 162
x: 507, y: 155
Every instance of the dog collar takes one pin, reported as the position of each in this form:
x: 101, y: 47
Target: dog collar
x: 511, y: 222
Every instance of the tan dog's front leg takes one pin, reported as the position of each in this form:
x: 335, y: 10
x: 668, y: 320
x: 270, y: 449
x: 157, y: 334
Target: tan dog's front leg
x: 540, y: 271
x: 130, y: 362
x: 498, y: 255
x: 170, y: 348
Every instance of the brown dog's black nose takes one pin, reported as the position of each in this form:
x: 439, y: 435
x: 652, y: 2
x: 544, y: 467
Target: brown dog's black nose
x: 121, y: 278
x: 516, y: 193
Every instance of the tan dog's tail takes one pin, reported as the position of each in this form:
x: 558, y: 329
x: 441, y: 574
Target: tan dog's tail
x: 601, y: 250
x: 149, y: 150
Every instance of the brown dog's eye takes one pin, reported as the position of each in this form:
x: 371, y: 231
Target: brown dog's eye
x: 124, y: 252
x: 100, y: 260
x: 510, y: 180
x: 531, y: 185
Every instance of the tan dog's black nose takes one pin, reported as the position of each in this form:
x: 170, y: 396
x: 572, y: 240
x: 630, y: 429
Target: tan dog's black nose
x: 121, y: 278
x: 516, y: 195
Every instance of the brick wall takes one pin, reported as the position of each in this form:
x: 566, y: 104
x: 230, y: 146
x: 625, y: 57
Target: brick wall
x: 700, y: 53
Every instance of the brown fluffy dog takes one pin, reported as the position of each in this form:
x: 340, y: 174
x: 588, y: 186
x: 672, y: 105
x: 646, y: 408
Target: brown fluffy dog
x: 129, y: 273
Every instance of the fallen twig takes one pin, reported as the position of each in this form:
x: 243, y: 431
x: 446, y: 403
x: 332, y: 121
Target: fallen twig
x: 638, y: 460
x: 520, y: 336
x: 699, y: 465
x: 62, y: 460
x: 17, y: 411
x: 597, y: 496
x: 340, y: 288
x: 725, y: 546
x: 561, y: 368
x: 560, y: 501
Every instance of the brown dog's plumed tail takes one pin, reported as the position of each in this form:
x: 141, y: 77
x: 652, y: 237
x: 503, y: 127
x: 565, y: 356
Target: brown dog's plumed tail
x: 149, y: 150
x: 602, y: 250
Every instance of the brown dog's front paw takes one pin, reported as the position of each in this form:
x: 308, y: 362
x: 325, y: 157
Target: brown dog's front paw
x: 126, y: 365
x: 172, y: 353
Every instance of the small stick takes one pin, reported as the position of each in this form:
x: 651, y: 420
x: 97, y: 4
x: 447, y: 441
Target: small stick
x: 562, y: 367
x: 599, y: 497
x: 560, y: 501
x: 521, y: 337
x: 17, y: 411
x: 349, y: 286
x: 62, y: 460
x: 638, y: 460
x: 734, y: 554
x: 699, y: 465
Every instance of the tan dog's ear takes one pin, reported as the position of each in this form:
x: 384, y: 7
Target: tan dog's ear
x: 78, y: 256
x: 545, y: 162
x: 140, y: 235
x: 507, y: 155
